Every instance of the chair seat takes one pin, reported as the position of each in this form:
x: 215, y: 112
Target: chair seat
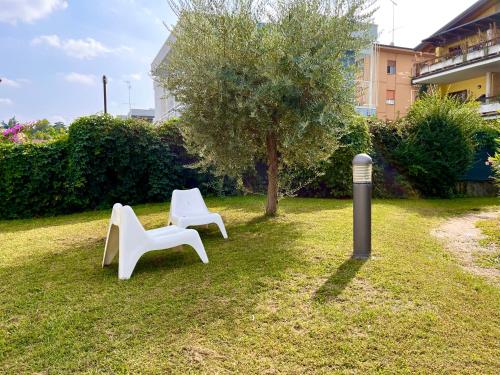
x: 128, y: 239
x: 164, y: 231
x: 200, y: 219
x: 189, y: 209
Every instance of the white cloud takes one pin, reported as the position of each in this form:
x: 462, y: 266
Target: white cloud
x: 12, y: 11
x: 6, y: 101
x: 86, y: 48
x: 50, y: 40
x: 9, y: 82
x: 15, y: 83
x: 133, y: 77
x: 82, y: 79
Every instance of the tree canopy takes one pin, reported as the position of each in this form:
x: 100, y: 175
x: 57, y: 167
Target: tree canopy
x: 262, y: 80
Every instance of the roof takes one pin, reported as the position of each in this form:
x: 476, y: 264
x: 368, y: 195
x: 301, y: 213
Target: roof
x: 399, y: 49
x: 457, y: 21
x: 135, y: 112
x: 163, y: 52
x: 390, y: 46
x: 464, y: 29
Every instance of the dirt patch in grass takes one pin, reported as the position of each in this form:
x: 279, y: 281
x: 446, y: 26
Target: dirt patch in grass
x: 465, y: 240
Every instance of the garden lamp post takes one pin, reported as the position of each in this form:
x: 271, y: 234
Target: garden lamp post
x: 104, y: 83
x: 362, y: 201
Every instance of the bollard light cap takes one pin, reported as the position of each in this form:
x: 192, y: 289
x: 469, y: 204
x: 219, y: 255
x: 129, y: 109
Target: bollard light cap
x: 362, y: 159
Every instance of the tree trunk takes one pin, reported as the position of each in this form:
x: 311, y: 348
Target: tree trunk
x: 272, y: 173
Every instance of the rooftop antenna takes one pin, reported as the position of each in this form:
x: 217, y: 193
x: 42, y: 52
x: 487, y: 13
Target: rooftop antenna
x: 394, y: 4
x: 129, y: 87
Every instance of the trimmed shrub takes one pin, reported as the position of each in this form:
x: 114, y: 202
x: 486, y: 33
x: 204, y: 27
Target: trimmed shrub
x: 185, y: 164
x: 33, y: 179
x: 434, y: 146
x: 102, y: 160
x: 336, y: 174
x: 109, y: 161
x: 438, y: 144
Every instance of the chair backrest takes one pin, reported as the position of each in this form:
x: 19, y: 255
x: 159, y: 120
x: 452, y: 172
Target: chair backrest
x: 129, y: 223
x: 125, y: 232
x: 188, y: 202
x: 115, y: 214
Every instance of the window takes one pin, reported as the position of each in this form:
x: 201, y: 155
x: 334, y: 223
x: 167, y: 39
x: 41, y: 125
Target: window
x: 391, y: 67
x: 390, y: 97
x: 455, y: 51
x: 460, y: 95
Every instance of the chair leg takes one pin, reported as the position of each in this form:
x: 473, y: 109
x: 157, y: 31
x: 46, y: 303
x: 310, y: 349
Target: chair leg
x: 112, y: 245
x: 197, y: 245
x: 126, y: 265
x: 221, y: 226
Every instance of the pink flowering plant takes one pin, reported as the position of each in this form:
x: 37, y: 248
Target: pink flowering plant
x: 14, y: 134
x: 34, y: 131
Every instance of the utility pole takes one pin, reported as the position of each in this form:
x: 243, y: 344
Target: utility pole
x: 104, y: 83
x: 129, y: 86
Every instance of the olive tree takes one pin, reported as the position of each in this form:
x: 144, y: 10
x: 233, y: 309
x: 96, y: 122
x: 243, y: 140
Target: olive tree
x: 262, y: 80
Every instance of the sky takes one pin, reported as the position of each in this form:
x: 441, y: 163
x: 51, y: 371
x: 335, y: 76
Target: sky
x: 54, y: 52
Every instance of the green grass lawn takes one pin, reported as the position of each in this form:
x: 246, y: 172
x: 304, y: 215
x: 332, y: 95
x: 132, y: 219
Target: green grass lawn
x: 491, y: 229
x: 280, y: 296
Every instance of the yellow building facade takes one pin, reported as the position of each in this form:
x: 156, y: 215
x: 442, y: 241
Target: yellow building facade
x: 467, y: 57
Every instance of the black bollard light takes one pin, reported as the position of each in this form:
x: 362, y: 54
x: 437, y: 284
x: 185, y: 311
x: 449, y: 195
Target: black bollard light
x: 362, y: 205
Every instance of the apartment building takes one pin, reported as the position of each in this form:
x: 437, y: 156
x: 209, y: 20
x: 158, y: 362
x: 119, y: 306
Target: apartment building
x: 384, y: 84
x: 467, y: 57
x: 384, y: 81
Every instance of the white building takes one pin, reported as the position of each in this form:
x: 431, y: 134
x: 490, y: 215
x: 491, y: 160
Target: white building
x: 165, y: 105
x: 142, y: 114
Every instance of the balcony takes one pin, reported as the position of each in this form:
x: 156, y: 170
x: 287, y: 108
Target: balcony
x: 490, y: 107
x: 468, y: 63
x: 365, y: 98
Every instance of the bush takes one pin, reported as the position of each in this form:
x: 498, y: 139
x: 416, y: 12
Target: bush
x: 102, y: 160
x: 185, y: 163
x: 109, y: 161
x: 336, y: 173
x: 33, y: 179
x: 495, y: 164
x: 437, y: 143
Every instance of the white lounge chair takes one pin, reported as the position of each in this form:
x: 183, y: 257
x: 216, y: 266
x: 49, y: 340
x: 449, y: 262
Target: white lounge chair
x: 127, y: 238
x: 189, y: 209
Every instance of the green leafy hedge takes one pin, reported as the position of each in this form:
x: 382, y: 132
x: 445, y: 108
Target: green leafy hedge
x: 33, y: 179
x: 336, y: 173
x: 101, y: 161
x: 209, y: 184
x: 114, y: 160
x: 434, y: 146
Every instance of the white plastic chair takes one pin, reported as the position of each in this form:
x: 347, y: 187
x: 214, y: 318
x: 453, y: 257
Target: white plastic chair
x: 127, y: 238
x: 189, y: 209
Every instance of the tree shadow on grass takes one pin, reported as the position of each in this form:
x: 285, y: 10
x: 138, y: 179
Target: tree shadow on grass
x: 308, y: 205
x: 336, y: 284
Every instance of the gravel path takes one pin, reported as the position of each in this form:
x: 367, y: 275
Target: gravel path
x: 461, y: 237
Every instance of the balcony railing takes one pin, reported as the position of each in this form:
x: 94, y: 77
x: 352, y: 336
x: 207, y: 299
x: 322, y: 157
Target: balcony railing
x: 465, y: 56
x: 489, y: 99
x: 490, y: 106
